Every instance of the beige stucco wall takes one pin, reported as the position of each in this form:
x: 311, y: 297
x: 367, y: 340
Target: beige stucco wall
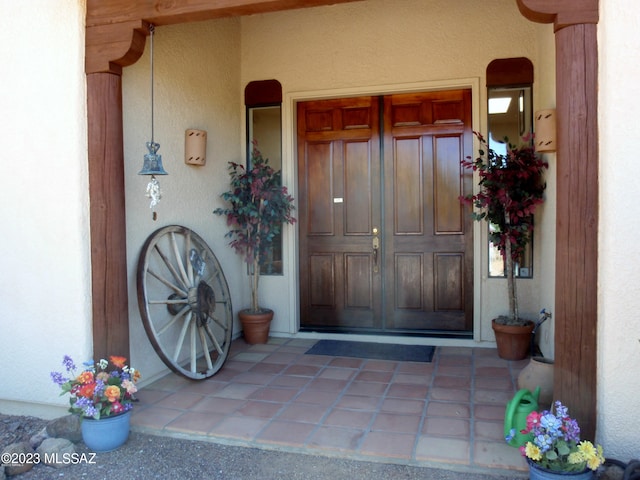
x: 45, y: 278
x: 196, y: 85
x: 619, y: 249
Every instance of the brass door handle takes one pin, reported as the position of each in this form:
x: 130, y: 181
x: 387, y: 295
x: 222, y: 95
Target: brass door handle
x: 376, y: 247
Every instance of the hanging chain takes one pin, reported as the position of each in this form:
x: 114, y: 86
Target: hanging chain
x: 153, y: 187
x: 152, y: 29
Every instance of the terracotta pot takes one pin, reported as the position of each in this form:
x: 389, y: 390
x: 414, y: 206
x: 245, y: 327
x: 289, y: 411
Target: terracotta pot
x: 255, y: 326
x: 538, y: 373
x: 514, y: 341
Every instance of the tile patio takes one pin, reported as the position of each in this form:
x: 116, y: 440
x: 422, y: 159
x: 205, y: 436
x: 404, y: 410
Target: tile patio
x: 444, y: 414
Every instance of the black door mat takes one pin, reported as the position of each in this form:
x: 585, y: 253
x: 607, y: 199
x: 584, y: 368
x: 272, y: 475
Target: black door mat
x: 378, y: 351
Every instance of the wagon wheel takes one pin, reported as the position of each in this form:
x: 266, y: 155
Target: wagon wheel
x: 184, y: 302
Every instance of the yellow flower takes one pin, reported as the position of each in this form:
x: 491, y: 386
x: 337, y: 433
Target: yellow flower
x: 594, y: 457
x: 587, y: 449
x: 576, y: 457
x: 533, y: 451
x: 593, y: 463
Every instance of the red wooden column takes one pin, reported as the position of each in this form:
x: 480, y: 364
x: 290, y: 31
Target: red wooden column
x: 109, y: 48
x: 107, y: 210
x: 576, y: 315
x: 576, y: 310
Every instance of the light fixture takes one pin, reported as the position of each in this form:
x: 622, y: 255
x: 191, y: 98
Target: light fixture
x: 499, y: 105
x: 195, y: 147
x: 545, y: 130
x: 152, y: 161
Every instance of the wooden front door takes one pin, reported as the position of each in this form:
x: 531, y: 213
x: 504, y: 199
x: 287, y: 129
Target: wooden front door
x: 385, y: 245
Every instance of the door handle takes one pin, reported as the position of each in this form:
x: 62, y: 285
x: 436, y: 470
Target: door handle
x: 376, y: 247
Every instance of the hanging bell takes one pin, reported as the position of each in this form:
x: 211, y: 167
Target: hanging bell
x: 152, y: 161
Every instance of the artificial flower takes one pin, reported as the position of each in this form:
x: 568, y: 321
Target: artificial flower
x: 98, y: 391
x: 556, y: 442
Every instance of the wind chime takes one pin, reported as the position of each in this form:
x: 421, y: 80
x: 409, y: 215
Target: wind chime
x: 152, y: 161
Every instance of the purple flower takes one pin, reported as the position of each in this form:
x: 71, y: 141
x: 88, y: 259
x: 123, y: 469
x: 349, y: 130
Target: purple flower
x: 58, y: 378
x: 99, y: 388
x: 90, y: 411
x: 68, y: 363
x: 561, y: 410
x: 572, y: 430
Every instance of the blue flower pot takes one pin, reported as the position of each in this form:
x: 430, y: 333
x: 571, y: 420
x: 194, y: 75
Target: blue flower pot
x: 106, y: 434
x: 539, y: 473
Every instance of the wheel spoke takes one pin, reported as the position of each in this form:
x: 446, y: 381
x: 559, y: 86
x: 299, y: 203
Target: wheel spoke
x: 177, y: 301
x: 213, y: 339
x: 177, y: 316
x: 219, y: 323
x: 205, y: 348
x: 189, y: 266
x: 166, y: 282
x: 171, y: 268
x: 194, y: 354
x: 178, y: 258
x: 183, y: 332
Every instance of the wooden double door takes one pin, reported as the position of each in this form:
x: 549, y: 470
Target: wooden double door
x: 385, y: 243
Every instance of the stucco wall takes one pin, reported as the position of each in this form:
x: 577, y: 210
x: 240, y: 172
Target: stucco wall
x: 619, y: 249
x: 380, y: 47
x: 44, y: 204
x: 196, y: 85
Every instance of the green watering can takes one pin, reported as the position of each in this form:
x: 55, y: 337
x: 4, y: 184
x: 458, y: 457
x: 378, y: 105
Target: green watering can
x: 515, y: 416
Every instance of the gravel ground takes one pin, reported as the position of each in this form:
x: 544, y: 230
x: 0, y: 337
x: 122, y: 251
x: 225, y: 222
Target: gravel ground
x: 154, y: 457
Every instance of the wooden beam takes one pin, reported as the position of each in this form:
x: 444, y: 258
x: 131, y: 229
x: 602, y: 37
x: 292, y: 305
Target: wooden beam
x: 113, y: 46
x: 576, y: 309
x: 107, y: 211
x: 561, y: 12
x: 162, y: 12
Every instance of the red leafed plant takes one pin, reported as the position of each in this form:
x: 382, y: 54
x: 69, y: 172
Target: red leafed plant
x: 511, y: 187
x: 259, y: 206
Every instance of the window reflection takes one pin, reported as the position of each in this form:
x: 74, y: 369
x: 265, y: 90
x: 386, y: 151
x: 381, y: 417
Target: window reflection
x: 510, y: 117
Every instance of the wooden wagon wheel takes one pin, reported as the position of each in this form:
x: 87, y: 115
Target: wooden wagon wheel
x: 184, y: 302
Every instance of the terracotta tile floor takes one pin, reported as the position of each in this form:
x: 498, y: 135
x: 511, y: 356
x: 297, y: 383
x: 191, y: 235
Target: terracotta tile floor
x: 447, y: 413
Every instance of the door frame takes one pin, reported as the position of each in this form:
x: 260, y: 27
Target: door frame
x: 290, y: 177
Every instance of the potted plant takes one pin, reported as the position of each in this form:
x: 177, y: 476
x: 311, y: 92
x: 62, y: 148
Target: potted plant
x: 511, y: 187
x: 259, y: 206
x: 556, y: 450
x: 102, y: 394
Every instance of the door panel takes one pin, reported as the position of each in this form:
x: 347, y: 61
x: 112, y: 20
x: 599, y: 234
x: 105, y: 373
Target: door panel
x: 339, y: 199
x: 420, y: 279
x: 428, y: 232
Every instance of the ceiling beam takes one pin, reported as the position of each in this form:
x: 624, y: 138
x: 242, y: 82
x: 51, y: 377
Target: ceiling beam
x: 163, y: 12
x: 116, y: 30
x: 561, y: 12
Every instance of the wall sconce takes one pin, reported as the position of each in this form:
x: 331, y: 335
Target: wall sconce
x: 195, y: 147
x: 545, y: 130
